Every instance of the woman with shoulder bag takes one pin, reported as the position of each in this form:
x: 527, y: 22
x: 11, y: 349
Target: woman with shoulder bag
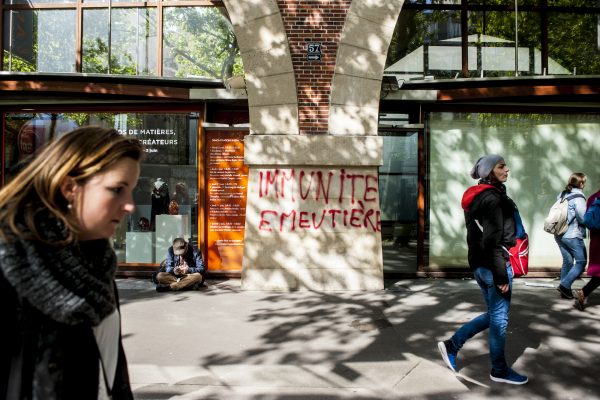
x: 571, y: 244
x: 58, y: 298
x: 491, y: 227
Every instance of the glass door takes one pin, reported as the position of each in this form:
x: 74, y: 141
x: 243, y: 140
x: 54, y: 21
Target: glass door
x: 398, y: 189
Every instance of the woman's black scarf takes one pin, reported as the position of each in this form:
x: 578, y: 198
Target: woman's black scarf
x: 502, y: 188
x: 498, y: 185
x: 71, y: 284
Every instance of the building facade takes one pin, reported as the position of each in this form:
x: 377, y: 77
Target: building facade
x: 313, y: 144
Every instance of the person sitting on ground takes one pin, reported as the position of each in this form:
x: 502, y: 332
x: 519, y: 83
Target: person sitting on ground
x: 184, y: 268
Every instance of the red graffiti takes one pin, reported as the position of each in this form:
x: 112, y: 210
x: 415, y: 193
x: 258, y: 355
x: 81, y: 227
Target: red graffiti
x: 285, y: 178
x: 271, y: 181
x: 321, y: 187
x: 317, y: 185
x: 305, y: 195
x: 264, y: 224
x: 304, y: 220
x: 369, y: 188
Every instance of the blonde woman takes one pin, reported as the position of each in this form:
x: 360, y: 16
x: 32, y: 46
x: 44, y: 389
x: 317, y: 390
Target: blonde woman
x: 58, y: 298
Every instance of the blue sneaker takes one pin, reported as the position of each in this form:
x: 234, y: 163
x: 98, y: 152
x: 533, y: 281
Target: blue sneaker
x: 448, y: 357
x: 510, y: 377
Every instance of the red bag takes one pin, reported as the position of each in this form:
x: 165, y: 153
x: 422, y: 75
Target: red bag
x: 518, y: 256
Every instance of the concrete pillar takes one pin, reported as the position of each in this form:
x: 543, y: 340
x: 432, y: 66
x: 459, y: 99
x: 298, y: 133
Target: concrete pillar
x: 270, y: 79
x: 356, y: 83
x: 312, y: 214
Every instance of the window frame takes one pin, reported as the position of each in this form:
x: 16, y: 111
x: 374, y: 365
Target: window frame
x: 542, y: 8
x: 80, y: 5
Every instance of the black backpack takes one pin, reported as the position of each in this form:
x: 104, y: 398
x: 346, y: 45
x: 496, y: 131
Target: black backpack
x: 162, y: 268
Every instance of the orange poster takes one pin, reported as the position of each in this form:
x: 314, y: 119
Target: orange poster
x: 227, y: 183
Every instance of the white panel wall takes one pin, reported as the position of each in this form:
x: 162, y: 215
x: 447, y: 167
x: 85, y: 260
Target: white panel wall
x: 541, y: 150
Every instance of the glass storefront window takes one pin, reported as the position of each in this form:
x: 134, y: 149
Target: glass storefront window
x: 29, y: 2
x: 166, y: 196
x: 398, y: 178
x: 39, y: 41
x: 492, y: 44
x: 505, y: 2
x: 425, y: 43
x: 25, y: 134
x: 433, y: 1
x: 573, y: 42
x: 95, y: 41
x: 199, y: 42
x: 398, y: 188
x: 132, y: 41
x: 115, y: 1
x: 573, y: 3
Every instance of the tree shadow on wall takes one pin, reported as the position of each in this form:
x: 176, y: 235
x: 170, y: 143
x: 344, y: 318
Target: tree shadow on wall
x: 539, y: 150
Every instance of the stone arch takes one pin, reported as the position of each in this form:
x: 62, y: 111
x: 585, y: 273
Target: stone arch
x: 265, y: 51
x: 360, y: 61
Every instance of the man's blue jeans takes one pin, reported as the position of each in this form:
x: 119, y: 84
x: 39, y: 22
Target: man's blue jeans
x: 496, y: 319
x: 574, y: 255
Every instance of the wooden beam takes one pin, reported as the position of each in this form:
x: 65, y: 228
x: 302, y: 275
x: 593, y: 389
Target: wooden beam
x: 515, y: 91
x: 97, y: 88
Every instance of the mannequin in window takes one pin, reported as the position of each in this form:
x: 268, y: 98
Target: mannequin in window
x: 181, y: 194
x: 140, y: 192
x: 160, y: 200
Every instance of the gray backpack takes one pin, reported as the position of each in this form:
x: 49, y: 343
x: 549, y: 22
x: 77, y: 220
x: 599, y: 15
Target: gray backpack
x: 556, y: 221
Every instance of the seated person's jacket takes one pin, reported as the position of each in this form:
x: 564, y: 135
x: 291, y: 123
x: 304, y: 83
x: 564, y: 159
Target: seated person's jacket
x: 193, y: 257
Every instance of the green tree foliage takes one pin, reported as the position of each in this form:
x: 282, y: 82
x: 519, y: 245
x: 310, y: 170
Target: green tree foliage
x: 501, y: 25
x: 573, y: 42
x: 132, y: 41
x: 199, y: 41
x: 17, y: 64
x: 96, y: 56
x: 41, y: 41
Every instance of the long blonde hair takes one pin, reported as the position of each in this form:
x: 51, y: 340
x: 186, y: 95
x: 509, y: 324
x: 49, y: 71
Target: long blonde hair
x: 79, y: 154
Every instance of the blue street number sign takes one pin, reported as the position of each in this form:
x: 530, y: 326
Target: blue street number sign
x: 313, y: 51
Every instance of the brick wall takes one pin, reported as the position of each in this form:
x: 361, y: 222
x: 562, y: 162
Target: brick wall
x: 313, y: 21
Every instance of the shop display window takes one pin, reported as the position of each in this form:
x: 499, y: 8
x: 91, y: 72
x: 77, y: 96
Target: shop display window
x: 166, y: 196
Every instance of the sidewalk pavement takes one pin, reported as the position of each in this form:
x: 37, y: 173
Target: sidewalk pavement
x: 224, y: 343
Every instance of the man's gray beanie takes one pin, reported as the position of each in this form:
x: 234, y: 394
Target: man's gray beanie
x: 484, y: 166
